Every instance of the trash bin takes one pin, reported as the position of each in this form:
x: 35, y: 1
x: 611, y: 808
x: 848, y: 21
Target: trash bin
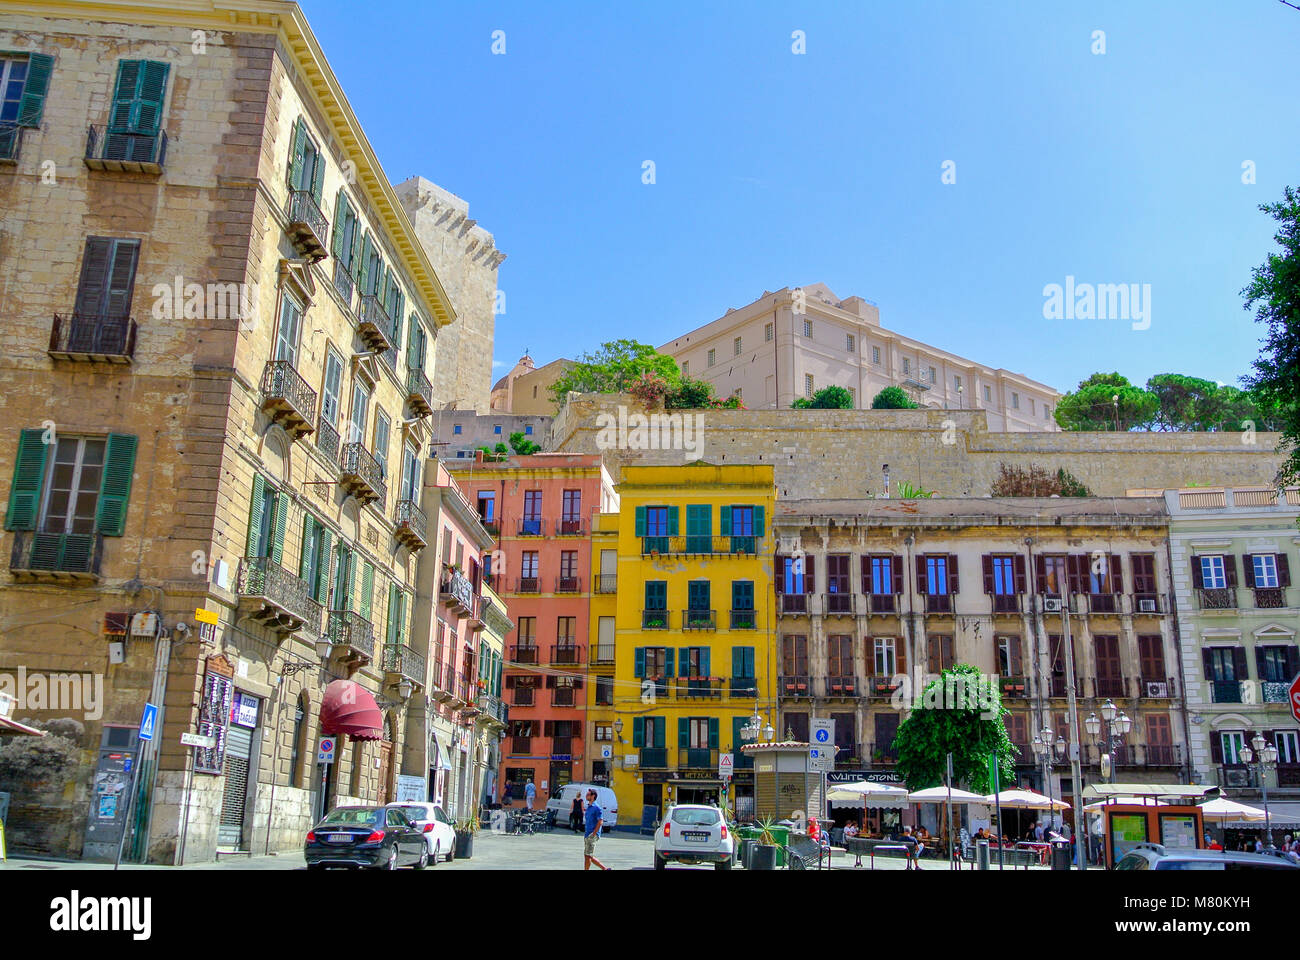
x: 782, y: 835
x: 1061, y: 855
x: 981, y: 855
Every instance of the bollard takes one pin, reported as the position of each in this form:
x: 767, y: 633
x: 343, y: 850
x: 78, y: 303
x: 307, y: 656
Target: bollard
x: 981, y: 854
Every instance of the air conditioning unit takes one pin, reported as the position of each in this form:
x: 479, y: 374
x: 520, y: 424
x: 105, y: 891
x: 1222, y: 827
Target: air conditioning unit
x: 1051, y: 604
x: 1146, y: 606
x: 1157, y: 688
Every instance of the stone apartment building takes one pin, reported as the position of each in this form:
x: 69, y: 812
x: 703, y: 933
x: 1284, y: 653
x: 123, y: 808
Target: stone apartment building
x: 217, y: 379
x: 893, y: 591
x: 1233, y: 550
x: 795, y: 341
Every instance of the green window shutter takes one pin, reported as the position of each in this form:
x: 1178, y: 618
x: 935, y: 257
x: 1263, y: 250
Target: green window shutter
x: 758, y: 521
x: 367, y: 587
x: 253, y: 547
x: 742, y: 595
x: 737, y: 661
x: 697, y: 520
x: 277, y: 531
x: 706, y: 668
x: 725, y: 518
x: 115, y: 484
x: 323, y: 569
x: 297, y: 146
x: 683, y: 733
x: 737, y: 738
x: 308, y: 547
x: 668, y: 661
x: 149, y: 101
x: 672, y: 521
x: 340, y: 223
x: 749, y: 661
x: 354, y: 255
x: 698, y: 595
x: 32, y: 105
x: 713, y: 733
x: 638, y: 731
x: 661, y: 732
x: 318, y: 176
x: 638, y: 662
x: 29, y: 476
x: 394, y: 612
x: 124, y: 93
x: 402, y: 605
x: 640, y: 522
x: 361, y: 266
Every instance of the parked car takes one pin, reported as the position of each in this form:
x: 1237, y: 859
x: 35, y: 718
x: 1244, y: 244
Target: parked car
x: 1154, y: 856
x: 378, y: 837
x: 439, y: 832
x: 605, y: 798
x: 694, y: 833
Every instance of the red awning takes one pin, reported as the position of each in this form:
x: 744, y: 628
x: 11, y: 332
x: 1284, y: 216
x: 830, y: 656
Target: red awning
x: 349, y: 709
x: 14, y: 728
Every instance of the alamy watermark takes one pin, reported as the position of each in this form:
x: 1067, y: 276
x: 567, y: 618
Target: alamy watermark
x: 1100, y: 301
x: 953, y: 691
x: 652, y: 431
x: 71, y: 693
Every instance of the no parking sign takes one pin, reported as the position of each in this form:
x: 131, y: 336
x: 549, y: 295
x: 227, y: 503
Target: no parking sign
x: 325, y: 753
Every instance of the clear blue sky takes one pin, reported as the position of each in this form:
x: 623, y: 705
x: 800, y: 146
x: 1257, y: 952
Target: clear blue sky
x: 776, y: 169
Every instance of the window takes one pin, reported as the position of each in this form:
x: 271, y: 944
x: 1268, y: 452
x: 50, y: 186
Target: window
x: 767, y: 333
x: 382, y: 430
x: 1031, y: 406
x: 1047, y: 412
x: 736, y: 347
x: 1231, y: 743
x: 566, y: 627
x: 850, y: 343
x: 907, y: 367
x: 135, y: 117
x: 13, y: 80
x: 288, y: 331
x: 807, y: 328
x: 360, y: 408
x: 571, y: 507
x: 1274, y: 664
x: 528, y: 430
x: 939, y: 654
x: 1104, y: 574
x: 881, y: 575
x: 1015, y: 400
x: 936, y: 575
x: 568, y: 570
x: 1003, y: 575
x: 496, y: 429
x: 656, y: 595
x: 410, y: 486
x: 934, y: 376
x: 794, y: 658
x: 875, y: 355
x: 742, y: 605
x: 839, y: 656
x: 792, y: 574
x: 1213, y: 575
x: 1151, y: 658
x: 1264, y: 566
x: 531, y: 523
x: 686, y: 368
x: 853, y: 397
x: 268, y: 514
x: 24, y: 82
x: 106, y: 285
x: 1222, y: 663
x: 988, y: 393
x: 331, y: 388
x: 487, y: 505
x: 314, y: 565
x: 528, y: 563
x: 713, y: 356
x: 956, y: 382
x: 456, y: 430
x: 72, y: 488
x: 346, y: 244
x: 1009, y: 659
x: 698, y: 729
x: 698, y: 595
x: 808, y: 385
x: 656, y: 522
x: 884, y: 662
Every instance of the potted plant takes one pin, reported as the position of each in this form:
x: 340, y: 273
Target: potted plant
x: 465, y: 830
x: 763, y: 856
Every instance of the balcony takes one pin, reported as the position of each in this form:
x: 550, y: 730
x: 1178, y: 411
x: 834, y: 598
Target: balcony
x: 525, y: 653
x: 403, y: 663
x: 1016, y: 688
x: 794, y: 686
x: 419, y: 393
x: 412, y: 525
x: 11, y: 142
x: 344, y: 284
x: 654, y: 619
x: 477, y: 616
x: 838, y: 604
x: 375, y: 327
x: 1270, y: 598
x: 492, y: 711
x: 275, y: 598
x: 743, y: 688
x: 699, y: 620
x: 307, y: 228
x: 1007, y: 603
x: 697, y: 688
x: 1225, y: 691
x: 1217, y: 598
x: 605, y: 583
x: 882, y: 603
x: 438, y: 690
x: 698, y: 545
x: 521, y: 745
x: 568, y: 585
x: 287, y: 399
x: 120, y: 151
x: 654, y: 758
x: 528, y: 585
x: 1104, y: 603
x: 456, y: 592
x: 880, y: 688
x: 882, y: 754
x: 55, y: 557
x: 361, y: 474
x: 1149, y: 603
x: 567, y: 654
x: 1156, y: 688
x: 351, y: 634
x: 570, y: 527
x: 697, y: 758
x: 456, y: 694
x: 791, y: 604
x: 1109, y: 687
x: 840, y: 687
x: 327, y: 440
x: 531, y: 527
x: 744, y: 620
x: 1275, y: 691
x: 92, y: 339
x: 1288, y: 774
x: 938, y: 603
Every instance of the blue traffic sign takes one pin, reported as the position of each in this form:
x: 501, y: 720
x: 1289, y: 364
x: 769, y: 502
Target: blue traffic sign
x: 148, y: 722
x: 823, y: 736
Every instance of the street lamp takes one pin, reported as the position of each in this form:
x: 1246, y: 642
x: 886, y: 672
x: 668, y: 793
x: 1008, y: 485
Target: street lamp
x: 1117, y: 724
x: 1267, y: 760
x: 1115, y: 403
x: 1049, y: 753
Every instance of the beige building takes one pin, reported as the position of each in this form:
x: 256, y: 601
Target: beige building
x: 893, y: 592
x: 526, y: 389
x: 217, y: 379
x: 466, y: 259
x: 796, y: 341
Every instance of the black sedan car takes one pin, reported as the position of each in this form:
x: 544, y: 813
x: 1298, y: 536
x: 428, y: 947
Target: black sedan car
x: 378, y: 837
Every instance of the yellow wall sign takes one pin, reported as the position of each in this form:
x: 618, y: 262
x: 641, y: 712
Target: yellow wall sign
x: 206, y: 616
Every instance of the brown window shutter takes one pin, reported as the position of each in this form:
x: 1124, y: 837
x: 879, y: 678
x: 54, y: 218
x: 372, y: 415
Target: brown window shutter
x: 1198, y: 581
x: 1040, y: 573
x: 1019, y: 565
x: 1116, y: 574
x: 1248, y: 567
x: 866, y: 573
x: 779, y: 566
x: 1239, y: 663
x: 1216, y: 746
x: 932, y: 655
x: 896, y: 570
x: 987, y: 562
x: 920, y: 574
x: 1283, y: 571
x: 1230, y: 568
x: 900, y: 655
x: 954, y: 584
x: 1017, y: 663
x: 869, y: 656
x: 1207, y: 663
x: 809, y: 574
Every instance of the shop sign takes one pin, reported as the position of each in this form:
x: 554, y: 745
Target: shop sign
x: 244, y: 713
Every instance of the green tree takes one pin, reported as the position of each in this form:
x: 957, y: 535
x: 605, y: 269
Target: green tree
x: 893, y: 398
x: 827, y: 398
x: 521, y: 445
x: 614, y: 368
x: 1274, y: 294
x: 970, y: 729
x: 689, y: 394
x: 1093, y: 405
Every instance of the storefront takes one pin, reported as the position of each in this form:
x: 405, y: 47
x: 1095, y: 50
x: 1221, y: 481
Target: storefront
x: 240, y: 771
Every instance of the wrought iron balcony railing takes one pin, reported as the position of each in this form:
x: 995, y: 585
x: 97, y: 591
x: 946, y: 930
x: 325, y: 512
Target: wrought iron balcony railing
x: 744, y: 620
x: 1270, y: 598
x: 654, y: 620
x: 697, y: 758
x: 105, y: 339
x: 375, y: 326
x: 795, y: 686
x: 697, y: 688
x: 837, y: 603
x: 698, y: 545
x: 792, y: 603
x: 401, y: 660
x: 287, y: 399
x: 1225, y: 691
x: 699, y: 620
x: 344, y: 628
x: 124, y: 151
x: 361, y: 473
x: 568, y: 527
x: 654, y: 758
x: 1006, y: 602
x: 528, y: 585
x: 604, y: 653
x: 881, y: 603
x: 567, y: 654
x: 1104, y: 603
x: 308, y: 227
x: 412, y: 524
x: 530, y: 527
x: 606, y: 583
x: 344, y: 282
x: 419, y: 392
x: 840, y: 687
x: 1108, y: 686
x: 524, y: 653
x: 568, y: 584
x: 276, y: 597
x: 56, y: 556
x: 1275, y: 691
x: 1216, y: 598
x: 743, y: 687
x: 327, y: 439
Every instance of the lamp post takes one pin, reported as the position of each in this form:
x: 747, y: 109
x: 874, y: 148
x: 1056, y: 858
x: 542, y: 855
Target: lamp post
x: 1114, y: 401
x: 1117, y: 724
x: 1049, y: 753
x: 1263, y: 758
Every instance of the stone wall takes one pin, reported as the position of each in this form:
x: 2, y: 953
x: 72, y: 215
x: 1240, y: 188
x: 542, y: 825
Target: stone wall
x: 836, y: 454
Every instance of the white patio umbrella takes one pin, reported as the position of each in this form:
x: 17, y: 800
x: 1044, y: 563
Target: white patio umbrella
x: 1144, y: 801
x: 1222, y: 810
x: 866, y: 793
x: 940, y: 795
x: 1026, y: 800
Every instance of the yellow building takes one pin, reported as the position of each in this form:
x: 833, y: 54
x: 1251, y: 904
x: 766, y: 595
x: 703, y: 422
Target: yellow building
x: 601, y: 623
x: 693, y: 641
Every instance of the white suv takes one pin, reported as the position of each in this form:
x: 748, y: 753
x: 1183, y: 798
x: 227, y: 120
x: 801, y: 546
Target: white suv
x: 695, y: 833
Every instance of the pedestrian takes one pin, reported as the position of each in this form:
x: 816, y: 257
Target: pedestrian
x: 594, y: 822
x: 913, y: 849
x: 530, y: 794
x: 575, y: 815
x: 506, y: 797
x: 1039, y: 833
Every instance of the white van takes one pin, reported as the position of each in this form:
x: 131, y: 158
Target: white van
x: 564, y: 803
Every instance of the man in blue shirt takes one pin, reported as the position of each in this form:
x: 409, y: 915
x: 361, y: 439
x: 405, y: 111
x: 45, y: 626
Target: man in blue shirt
x: 530, y: 792
x: 593, y: 821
